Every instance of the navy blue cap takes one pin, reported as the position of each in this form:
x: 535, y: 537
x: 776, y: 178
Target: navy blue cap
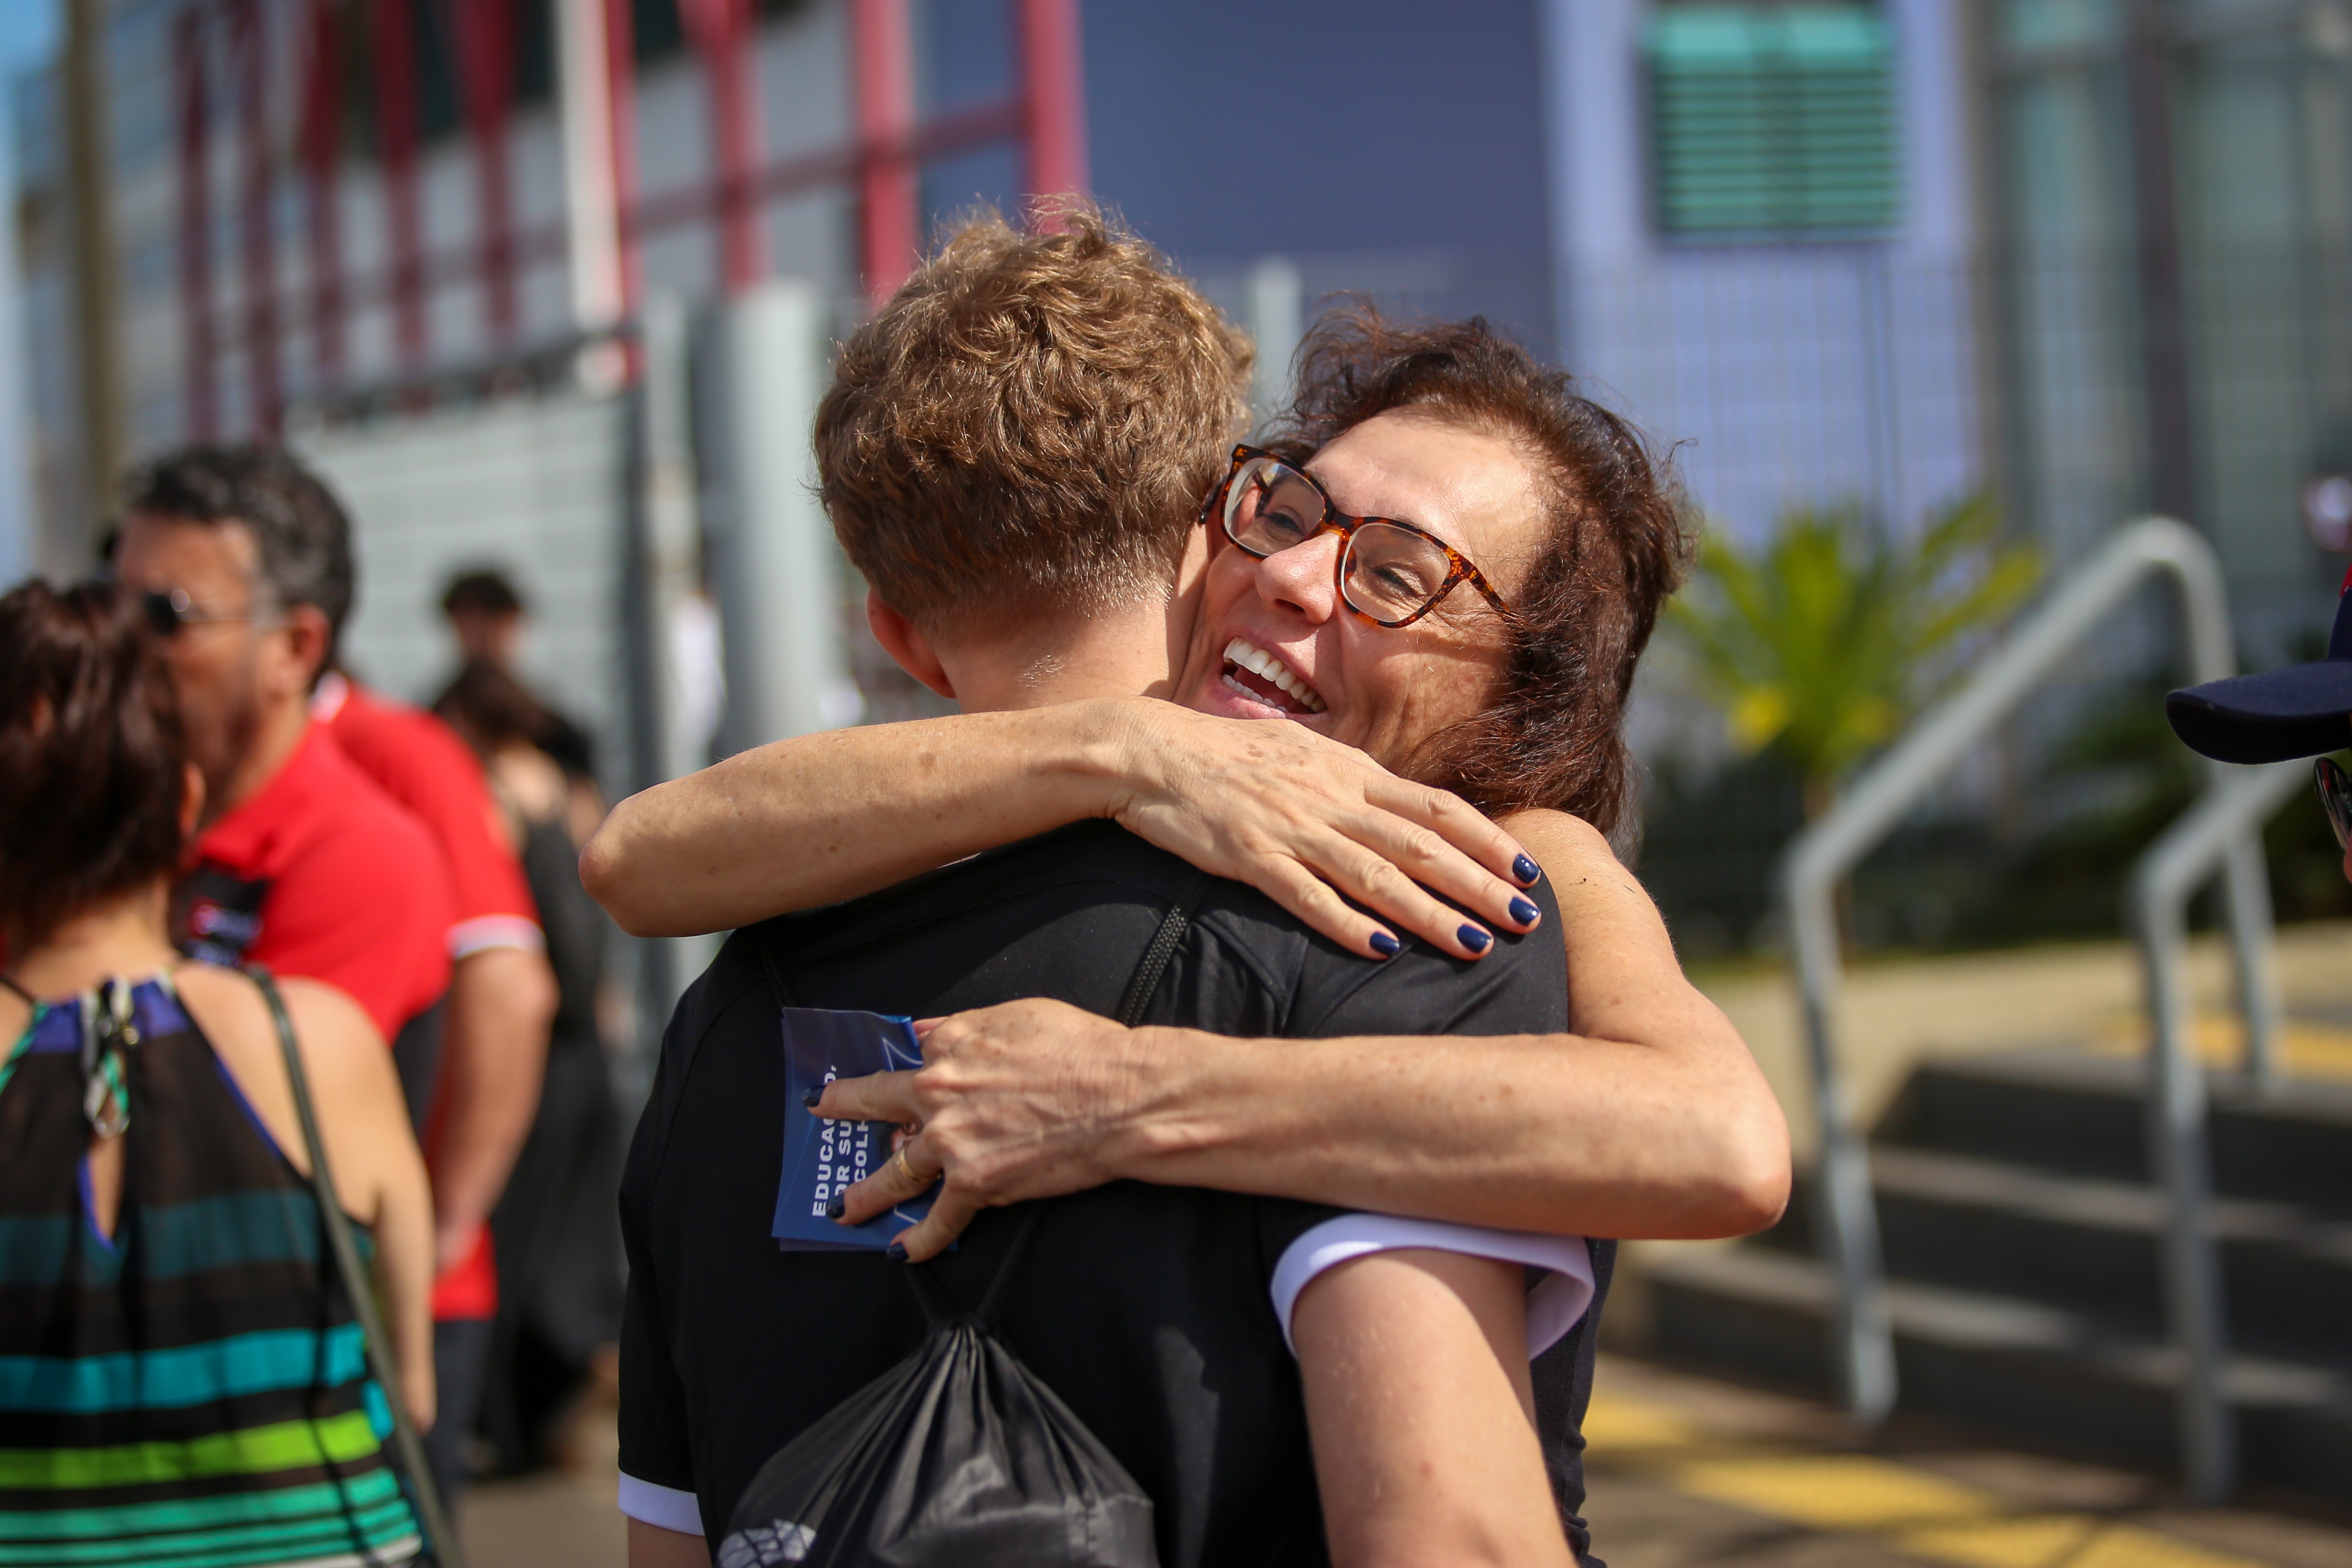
x: 2302, y: 710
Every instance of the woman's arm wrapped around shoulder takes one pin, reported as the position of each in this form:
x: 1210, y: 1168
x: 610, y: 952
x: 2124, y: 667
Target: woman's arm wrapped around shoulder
x: 819, y: 818
x: 1649, y: 1119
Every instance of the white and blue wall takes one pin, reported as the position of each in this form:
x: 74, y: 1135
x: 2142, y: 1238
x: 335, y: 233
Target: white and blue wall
x: 1788, y: 373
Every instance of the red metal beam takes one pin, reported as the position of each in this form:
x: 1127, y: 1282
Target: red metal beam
x: 251, y: 42
x: 683, y: 206
x: 195, y: 221
x: 546, y: 244
x: 881, y: 46
x: 721, y: 31
x: 485, y: 35
x: 319, y: 147
x: 1052, y: 81
x: 396, y: 122
x: 621, y: 62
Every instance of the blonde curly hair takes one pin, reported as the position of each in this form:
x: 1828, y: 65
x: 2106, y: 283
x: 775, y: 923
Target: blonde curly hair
x: 1027, y: 428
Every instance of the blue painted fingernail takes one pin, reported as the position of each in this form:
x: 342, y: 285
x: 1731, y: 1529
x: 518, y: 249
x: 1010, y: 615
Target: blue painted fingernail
x: 834, y: 1205
x: 1526, y: 869
x: 1384, y: 944
x: 810, y: 1097
x: 895, y: 1252
x: 1473, y: 939
x: 1525, y: 911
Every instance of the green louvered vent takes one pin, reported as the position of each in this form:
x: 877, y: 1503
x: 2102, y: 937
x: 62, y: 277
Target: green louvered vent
x: 1770, y: 119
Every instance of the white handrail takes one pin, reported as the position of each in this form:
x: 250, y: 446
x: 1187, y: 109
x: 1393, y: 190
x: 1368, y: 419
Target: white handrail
x: 1863, y: 1341
x: 2217, y: 835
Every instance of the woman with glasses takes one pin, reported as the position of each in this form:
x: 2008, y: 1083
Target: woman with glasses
x: 182, y: 1378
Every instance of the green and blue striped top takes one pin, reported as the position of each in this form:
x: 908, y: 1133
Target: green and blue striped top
x: 191, y: 1391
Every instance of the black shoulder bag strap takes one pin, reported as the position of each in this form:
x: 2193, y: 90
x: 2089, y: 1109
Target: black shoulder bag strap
x: 408, y: 1447
x: 1149, y: 971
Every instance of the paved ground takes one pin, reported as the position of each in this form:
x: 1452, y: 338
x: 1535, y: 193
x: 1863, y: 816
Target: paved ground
x: 1687, y: 1471
x: 567, y: 1518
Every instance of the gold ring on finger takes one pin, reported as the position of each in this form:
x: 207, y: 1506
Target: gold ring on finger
x: 899, y: 1160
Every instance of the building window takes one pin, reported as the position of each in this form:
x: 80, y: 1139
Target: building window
x: 1771, y: 121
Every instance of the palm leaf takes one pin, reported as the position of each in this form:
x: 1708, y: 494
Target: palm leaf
x: 1815, y: 644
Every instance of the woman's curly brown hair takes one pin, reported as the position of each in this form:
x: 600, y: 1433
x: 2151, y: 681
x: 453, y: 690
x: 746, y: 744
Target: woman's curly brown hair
x: 1617, y: 544
x: 1029, y: 424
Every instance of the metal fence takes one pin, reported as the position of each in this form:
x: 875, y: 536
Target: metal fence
x: 1785, y: 377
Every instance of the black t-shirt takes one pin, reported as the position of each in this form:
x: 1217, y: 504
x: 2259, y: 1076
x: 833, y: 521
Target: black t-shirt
x: 1146, y: 1308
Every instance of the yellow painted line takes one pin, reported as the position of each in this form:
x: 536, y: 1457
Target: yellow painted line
x: 2309, y: 1049
x: 1914, y: 1511
x: 1623, y: 1424
x: 1834, y: 1491
x: 2058, y: 1540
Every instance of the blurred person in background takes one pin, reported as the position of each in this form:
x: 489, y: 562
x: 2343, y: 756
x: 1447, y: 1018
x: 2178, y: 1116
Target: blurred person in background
x: 490, y: 618
x: 559, y: 1239
x: 352, y: 840
x: 185, y: 1381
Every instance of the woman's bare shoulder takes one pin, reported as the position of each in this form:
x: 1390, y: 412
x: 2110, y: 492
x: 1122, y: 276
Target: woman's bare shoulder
x: 1559, y: 840
x: 341, y: 1045
x: 327, y: 1017
x: 226, y: 1005
x: 339, y: 1042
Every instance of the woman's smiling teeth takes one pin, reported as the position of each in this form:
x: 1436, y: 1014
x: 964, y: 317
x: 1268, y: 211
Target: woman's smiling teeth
x: 1242, y: 660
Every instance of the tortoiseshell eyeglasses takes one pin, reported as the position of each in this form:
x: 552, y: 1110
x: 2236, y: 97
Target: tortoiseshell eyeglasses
x: 1390, y: 572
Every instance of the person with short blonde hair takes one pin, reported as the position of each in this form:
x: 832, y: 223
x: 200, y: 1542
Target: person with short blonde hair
x: 1026, y: 430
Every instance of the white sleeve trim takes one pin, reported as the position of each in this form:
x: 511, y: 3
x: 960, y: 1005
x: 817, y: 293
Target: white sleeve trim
x: 1554, y: 1303
x: 327, y: 698
x: 484, y: 933
x: 664, y: 1508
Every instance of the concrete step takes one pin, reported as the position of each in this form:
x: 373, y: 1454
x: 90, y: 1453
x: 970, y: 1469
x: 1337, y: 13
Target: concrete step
x: 2032, y: 1371
x: 2091, y: 1246
x: 2080, y: 1114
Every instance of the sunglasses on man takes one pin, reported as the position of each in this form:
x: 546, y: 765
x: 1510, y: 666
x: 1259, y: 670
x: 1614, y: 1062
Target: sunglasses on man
x: 167, y: 610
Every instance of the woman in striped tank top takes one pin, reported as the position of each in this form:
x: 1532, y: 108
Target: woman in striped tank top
x: 182, y: 1379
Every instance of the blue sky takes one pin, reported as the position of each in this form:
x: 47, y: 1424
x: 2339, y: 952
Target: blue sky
x: 28, y: 30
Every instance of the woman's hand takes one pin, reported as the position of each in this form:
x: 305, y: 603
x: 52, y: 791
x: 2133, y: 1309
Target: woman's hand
x: 1306, y: 819
x: 1012, y: 1102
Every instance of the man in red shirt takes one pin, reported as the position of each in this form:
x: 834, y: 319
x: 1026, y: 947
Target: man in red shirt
x: 384, y: 879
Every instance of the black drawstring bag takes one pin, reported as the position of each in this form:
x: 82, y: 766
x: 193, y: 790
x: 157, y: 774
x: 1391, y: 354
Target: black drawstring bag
x: 959, y: 1457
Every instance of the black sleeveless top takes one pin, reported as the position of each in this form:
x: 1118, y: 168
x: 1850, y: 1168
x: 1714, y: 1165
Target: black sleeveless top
x: 193, y: 1389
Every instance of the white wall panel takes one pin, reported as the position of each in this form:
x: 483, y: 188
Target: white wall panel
x: 534, y: 487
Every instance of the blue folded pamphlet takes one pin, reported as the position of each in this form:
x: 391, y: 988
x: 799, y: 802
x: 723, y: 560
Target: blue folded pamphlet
x: 823, y: 1157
